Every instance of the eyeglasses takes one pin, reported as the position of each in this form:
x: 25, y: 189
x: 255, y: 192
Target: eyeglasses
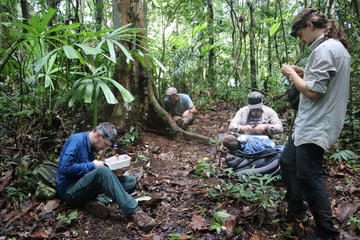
x: 106, y: 136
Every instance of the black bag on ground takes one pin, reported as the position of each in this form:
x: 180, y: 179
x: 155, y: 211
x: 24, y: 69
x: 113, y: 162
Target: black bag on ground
x: 263, y: 162
x: 43, y: 180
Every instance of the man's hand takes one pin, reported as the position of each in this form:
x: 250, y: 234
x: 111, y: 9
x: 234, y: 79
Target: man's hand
x: 261, y: 128
x: 98, y: 163
x: 288, y: 70
x: 246, y: 128
x: 186, y: 113
x: 298, y: 70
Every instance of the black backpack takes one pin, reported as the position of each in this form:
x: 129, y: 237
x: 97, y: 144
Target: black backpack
x: 263, y: 162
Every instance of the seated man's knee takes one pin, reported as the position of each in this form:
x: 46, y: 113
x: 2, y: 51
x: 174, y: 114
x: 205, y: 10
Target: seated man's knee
x: 230, y: 141
x: 103, y: 170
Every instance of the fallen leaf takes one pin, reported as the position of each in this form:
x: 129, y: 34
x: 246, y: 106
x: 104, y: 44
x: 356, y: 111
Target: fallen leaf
x: 5, y: 179
x: 345, y: 210
x: 255, y: 236
x: 198, y: 222
x: 39, y: 234
x: 51, y: 205
x: 229, y: 224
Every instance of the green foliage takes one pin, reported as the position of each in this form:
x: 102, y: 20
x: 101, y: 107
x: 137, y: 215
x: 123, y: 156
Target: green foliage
x: 204, y: 169
x: 214, y: 141
x: 355, y: 220
x: 130, y: 137
x: 257, y: 189
x: 174, y: 236
x: 218, y: 221
x: 18, y: 193
x: 344, y: 155
x: 143, y: 158
x: 69, y: 218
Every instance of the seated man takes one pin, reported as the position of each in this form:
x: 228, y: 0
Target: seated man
x: 254, y: 119
x: 180, y: 107
x: 81, y: 178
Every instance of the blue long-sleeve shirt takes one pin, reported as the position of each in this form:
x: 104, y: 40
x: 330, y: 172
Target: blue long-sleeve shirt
x: 75, y: 161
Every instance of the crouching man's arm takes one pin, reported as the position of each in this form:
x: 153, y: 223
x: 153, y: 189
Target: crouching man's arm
x: 189, y: 111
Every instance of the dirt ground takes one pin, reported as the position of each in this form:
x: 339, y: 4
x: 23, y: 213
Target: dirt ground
x: 180, y: 200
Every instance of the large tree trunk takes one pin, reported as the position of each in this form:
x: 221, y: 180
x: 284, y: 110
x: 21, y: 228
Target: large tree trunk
x: 252, y: 44
x: 211, y: 72
x: 99, y: 8
x: 145, y: 111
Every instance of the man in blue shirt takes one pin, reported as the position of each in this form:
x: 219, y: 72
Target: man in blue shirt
x: 180, y: 107
x: 81, y: 178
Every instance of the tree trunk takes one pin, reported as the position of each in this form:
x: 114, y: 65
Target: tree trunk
x: 252, y: 44
x: 211, y: 71
x: 99, y: 8
x: 25, y: 12
x: 145, y: 111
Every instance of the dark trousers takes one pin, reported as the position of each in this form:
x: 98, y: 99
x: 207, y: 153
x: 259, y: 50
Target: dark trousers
x: 302, y: 170
x: 99, y: 181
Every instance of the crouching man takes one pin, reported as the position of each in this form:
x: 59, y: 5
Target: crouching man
x: 180, y: 107
x: 81, y: 178
x: 254, y: 119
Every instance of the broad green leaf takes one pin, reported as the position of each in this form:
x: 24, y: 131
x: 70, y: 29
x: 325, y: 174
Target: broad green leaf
x: 110, y: 98
x: 89, y: 92
x: 60, y: 28
x: 126, y: 95
x: 89, y: 50
x: 51, y: 62
x: 48, y: 82
x: 25, y: 26
x: 145, y: 198
x: 222, y: 214
x: 40, y: 63
x: 46, y: 19
x: 157, y: 62
x: 124, y: 50
x: 111, y: 49
x: 70, y: 52
x: 274, y: 28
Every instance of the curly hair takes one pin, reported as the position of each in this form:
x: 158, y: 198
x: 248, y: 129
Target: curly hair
x: 318, y: 20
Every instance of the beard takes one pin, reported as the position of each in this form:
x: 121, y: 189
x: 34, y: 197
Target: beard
x: 255, y: 114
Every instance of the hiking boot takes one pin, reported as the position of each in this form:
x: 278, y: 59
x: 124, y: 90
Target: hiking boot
x: 186, y: 123
x: 97, y: 209
x: 180, y: 122
x: 144, y: 221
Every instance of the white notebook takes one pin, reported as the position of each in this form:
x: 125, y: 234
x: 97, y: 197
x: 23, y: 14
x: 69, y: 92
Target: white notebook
x: 116, y: 162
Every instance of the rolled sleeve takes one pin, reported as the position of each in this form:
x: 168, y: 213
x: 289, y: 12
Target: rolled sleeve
x: 320, y: 71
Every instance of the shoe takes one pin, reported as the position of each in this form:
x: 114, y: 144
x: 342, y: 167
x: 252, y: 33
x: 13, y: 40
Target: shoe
x: 186, y: 123
x: 180, y: 122
x: 144, y: 221
x: 97, y: 209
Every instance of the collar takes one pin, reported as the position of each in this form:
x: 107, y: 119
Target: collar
x: 87, y: 140
x: 317, y: 42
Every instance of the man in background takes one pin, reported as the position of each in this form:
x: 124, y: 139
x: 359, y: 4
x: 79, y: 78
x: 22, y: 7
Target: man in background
x: 253, y: 119
x: 180, y: 107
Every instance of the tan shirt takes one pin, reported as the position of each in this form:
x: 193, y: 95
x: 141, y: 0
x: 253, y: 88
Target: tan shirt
x: 327, y: 72
x: 269, y: 117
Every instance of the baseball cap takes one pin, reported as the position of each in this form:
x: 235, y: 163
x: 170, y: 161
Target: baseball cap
x: 255, y: 100
x: 171, y: 91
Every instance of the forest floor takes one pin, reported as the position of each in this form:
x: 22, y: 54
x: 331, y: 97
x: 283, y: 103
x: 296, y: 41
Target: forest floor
x: 190, y: 195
